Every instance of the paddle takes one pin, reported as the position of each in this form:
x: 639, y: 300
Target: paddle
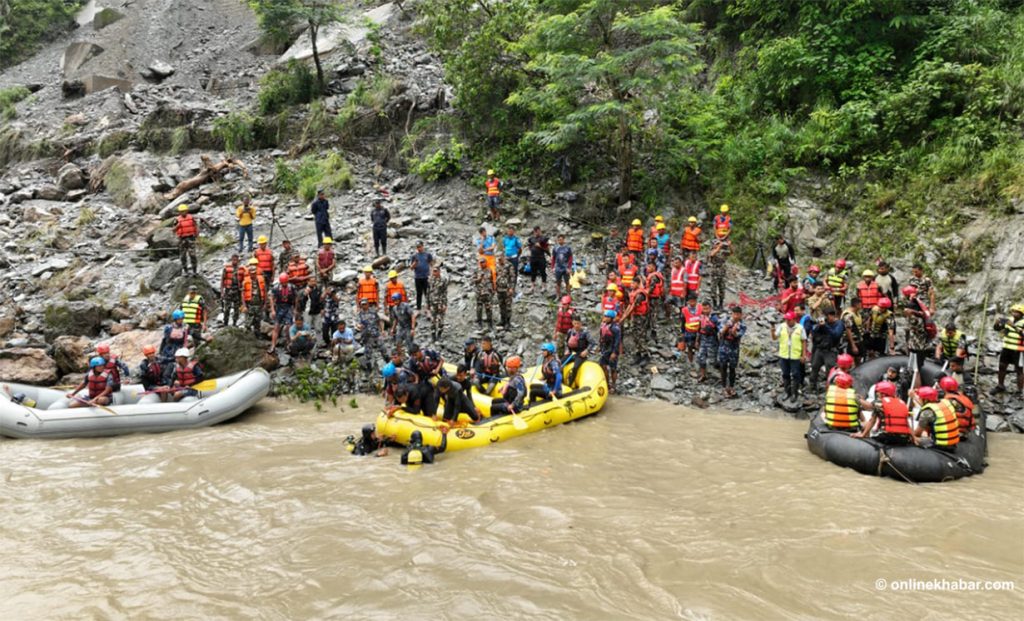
x: 94, y: 405
x: 200, y: 387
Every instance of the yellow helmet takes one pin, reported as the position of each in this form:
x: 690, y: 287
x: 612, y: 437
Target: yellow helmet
x: 1018, y: 308
x: 328, y: 240
x: 490, y: 172
x: 182, y: 208
x: 692, y: 220
x: 367, y: 269
x: 867, y: 273
x: 724, y: 208
x: 661, y: 226
x: 659, y: 219
x: 262, y: 239
x: 637, y: 222
x: 253, y: 261
x: 611, y: 287
x: 392, y: 274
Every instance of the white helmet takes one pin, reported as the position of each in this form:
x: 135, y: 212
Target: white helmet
x: 182, y: 352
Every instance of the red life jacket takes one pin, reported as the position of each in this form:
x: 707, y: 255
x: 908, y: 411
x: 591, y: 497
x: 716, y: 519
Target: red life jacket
x: 178, y: 333
x: 490, y: 361
x: 186, y: 226
x: 609, y: 301
x: 692, y: 269
x: 692, y: 320
x: 964, y: 411
x: 114, y: 372
x: 549, y: 370
x: 265, y: 258
x: 656, y: 284
x: 894, y: 417
x: 868, y: 294
x: 325, y: 258
x: 640, y: 305
x: 284, y: 295
x: 186, y: 374
x: 606, y: 332
x: 708, y: 327
x: 635, y: 239
x: 493, y: 186
x: 723, y: 224
x: 96, y: 384
x: 229, y: 279
x: 563, y: 320
x: 677, y: 284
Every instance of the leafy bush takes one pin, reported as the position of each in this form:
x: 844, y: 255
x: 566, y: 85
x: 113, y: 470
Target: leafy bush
x: 291, y: 85
x: 238, y: 131
x: 26, y: 24
x: 118, y: 182
x: 442, y: 163
x: 313, y: 172
x: 9, y: 97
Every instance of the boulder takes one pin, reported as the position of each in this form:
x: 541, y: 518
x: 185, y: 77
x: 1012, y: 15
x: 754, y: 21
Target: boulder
x: 996, y: 422
x: 97, y: 83
x: 1016, y: 421
x: 69, y: 352
x: 76, y: 55
x: 163, y: 242
x: 164, y: 272
x: 7, y: 325
x: 205, y: 289
x: 128, y: 345
x: 160, y: 69
x: 231, y: 350
x: 660, y: 383
x: 27, y: 366
x: 70, y: 177
x: 122, y: 327
x: 80, y: 318
x: 105, y: 17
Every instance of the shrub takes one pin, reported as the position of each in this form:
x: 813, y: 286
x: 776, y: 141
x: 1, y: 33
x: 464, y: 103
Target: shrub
x: 9, y: 97
x: 314, y: 172
x: 118, y: 182
x: 237, y: 130
x: 291, y: 85
x: 443, y: 163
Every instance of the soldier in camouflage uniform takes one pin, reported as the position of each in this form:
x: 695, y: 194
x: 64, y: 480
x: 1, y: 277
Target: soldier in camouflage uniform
x: 483, y: 285
x: 404, y: 327
x: 256, y: 306
x: 369, y: 325
x: 231, y: 290
x: 285, y: 257
x: 720, y: 251
x: 437, y: 302
x: 505, y: 283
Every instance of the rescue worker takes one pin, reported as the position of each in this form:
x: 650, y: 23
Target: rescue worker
x: 99, y: 385
x: 689, y: 324
x: 551, y: 372
x: 721, y: 249
x: 175, y: 338
x: 561, y: 264
x: 826, y: 340
x: 664, y: 241
x: 505, y: 288
x: 564, y: 316
x: 635, y: 238
x: 392, y: 287
x: 513, y: 393
x: 264, y: 259
x: 652, y: 256
x: 918, y: 339
x: 938, y: 420
x: 729, y: 338
x: 369, y: 442
x: 493, y: 185
x: 962, y: 404
x: 694, y: 269
x: 112, y: 366
x: 628, y: 272
x: 853, y: 322
x: 610, y: 343
x: 924, y: 285
x: 577, y: 348
x: 676, y: 286
x: 812, y: 280
x: 654, y: 231
x: 486, y: 248
x: 844, y: 364
x: 151, y: 373
x: 881, y: 330
x: 416, y: 454
x: 690, y: 241
x: 285, y: 258
x: 231, y: 284
x: 638, y: 313
x: 370, y: 328
x: 537, y: 244
x: 321, y: 211
x: 868, y: 291
x: 437, y: 302
x: 722, y: 223
x: 842, y: 411
x: 483, y: 287
x: 245, y: 214
x: 784, y: 259
x: 194, y: 307
x: 254, y: 296
x: 1012, y: 354
x: 298, y: 272
x: 368, y: 289
x: 707, y: 336
x: 379, y: 219
x: 187, y: 230
x: 420, y: 263
x: 325, y: 261
x: 889, y: 420
x: 610, y: 298
x: 836, y: 282
x: 403, y: 326
x: 282, y: 308
x: 187, y: 373
x: 512, y: 247
x: 488, y: 367
x: 455, y: 401
x: 952, y: 343
x: 792, y: 352
x: 655, y: 283
x: 886, y: 281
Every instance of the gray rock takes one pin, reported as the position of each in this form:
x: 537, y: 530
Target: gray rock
x: 160, y: 69
x: 70, y: 177
x: 49, y: 192
x: 660, y: 383
x: 69, y: 353
x: 996, y: 422
x: 80, y: 318
x: 105, y: 17
x: 1016, y: 421
x: 27, y: 366
x: 345, y: 276
x: 163, y: 273
x: 53, y: 265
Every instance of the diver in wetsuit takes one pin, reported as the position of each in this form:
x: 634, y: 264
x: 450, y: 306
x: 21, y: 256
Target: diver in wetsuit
x: 416, y: 454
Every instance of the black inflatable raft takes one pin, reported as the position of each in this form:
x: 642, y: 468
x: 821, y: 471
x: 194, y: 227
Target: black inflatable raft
x: 904, y: 463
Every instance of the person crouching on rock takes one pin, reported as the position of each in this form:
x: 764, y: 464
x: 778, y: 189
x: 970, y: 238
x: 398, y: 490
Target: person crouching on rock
x: 416, y: 454
x: 551, y: 388
x: 99, y: 384
x: 187, y: 373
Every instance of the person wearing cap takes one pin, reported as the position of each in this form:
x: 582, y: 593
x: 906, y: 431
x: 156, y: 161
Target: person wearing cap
x: 721, y: 249
x: 264, y: 258
x: 843, y: 410
x: 284, y: 259
x: 246, y: 215
x: 175, y: 337
x: 652, y: 256
x: 564, y: 315
x: 232, y: 278
x: 551, y: 371
x: 505, y: 289
x: 254, y: 296
x: 664, y: 241
x: 113, y: 367
x: 826, y: 341
x: 952, y: 343
x: 1012, y: 354
x: 707, y: 336
x: 880, y: 329
x: 577, y: 347
x: 320, y: 209
x: 367, y: 289
x: 722, y: 224
x: 812, y: 279
x: 437, y: 302
x: 370, y: 328
x: 924, y: 285
x: 325, y: 261
x: 888, y: 422
x: 187, y: 230
x: 654, y: 231
x: 793, y: 352
x: 282, y: 307
x: 937, y: 420
x: 420, y: 263
x: 537, y: 243
x: 470, y: 353
x: 868, y: 290
x: 298, y: 271
x: 635, y: 238
x: 151, y: 372
x: 403, y: 324
x: 392, y: 287
x: 610, y: 344
x: 487, y: 372
x: 493, y: 186
x: 691, y: 236
x: 380, y: 216
x: 196, y: 314
x: 513, y: 393
x: 99, y: 384
x: 483, y: 287
x: 187, y: 373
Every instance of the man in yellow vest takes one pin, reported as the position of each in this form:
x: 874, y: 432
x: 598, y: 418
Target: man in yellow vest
x: 793, y: 351
x: 1012, y: 328
x: 194, y: 307
x: 493, y: 185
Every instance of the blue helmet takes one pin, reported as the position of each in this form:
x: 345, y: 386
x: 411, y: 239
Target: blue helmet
x: 396, y: 296
x: 610, y: 313
x: 178, y: 314
x: 388, y: 370
x: 548, y: 347
x: 97, y: 361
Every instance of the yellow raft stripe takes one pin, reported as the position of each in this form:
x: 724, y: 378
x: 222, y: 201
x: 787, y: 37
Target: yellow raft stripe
x: 588, y: 398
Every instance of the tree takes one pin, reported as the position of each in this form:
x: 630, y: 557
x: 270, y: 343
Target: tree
x: 603, y: 69
x: 279, y: 18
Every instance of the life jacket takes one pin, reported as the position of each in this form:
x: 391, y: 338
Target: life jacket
x: 298, y: 271
x: 791, y: 343
x: 1013, y: 335
x: 946, y: 428
x: 635, y: 239
x: 261, y: 288
x: 563, y: 320
x: 620, y: 260
x: 114, y: 371
x: 894, y: 417
x: 964, y: 408
x: 708, y: 328
x: 177, y: 333
x: 265, y: 259
x: 368, y: 290
x: 493, y: 186
x: 692, y: 269
x: 878, y: 322
x: 723, y: 224
x: 548, y: 370
x: 836, y: 281
x: 628, y: 274
x: 229, y: 278
x: 609, y: 301
x: 640, y: 305
x: 690, y: 241
x: 869, y: 294
x: 691, y: 320
x: 491, y: 362
x: 284, y: 295
x: 607, y: 335
x: 186, y: 226
x: 193, y: 310
x: 656, y: 285
x: 186, y: 374
x: 391, y: 289
x: 652, y: 233
x: 96, y: 384
x: 152, y: 371
x: 950, y: 344
x: 677, y: 282
x: 842, y: 410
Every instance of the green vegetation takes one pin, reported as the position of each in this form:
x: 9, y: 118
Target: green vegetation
x: 319, y: 383
x: 237, y: 130
x: 26, y: 24
x: 279, y: 19
x: 443, y: 163
x: 112, y: 142
x: 365, y: 103
x: 313, y: 172
x: 9, y: 97
x: 118, y: 182
x: 281, y: 88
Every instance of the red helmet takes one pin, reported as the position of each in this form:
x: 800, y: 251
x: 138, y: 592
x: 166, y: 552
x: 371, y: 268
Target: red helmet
x: 840, y: 264
x: 885, y: 388
x: 928, y: 394
x: 948, y: 383
x: 566, y: 299
x: 844, y: 362
x: 814, y: 269
x: 103, y: 348
x: 885, y: 303
x: 790, y: 316
x: 909, y: 290
x: 283, y: 279
x: 844, y: 380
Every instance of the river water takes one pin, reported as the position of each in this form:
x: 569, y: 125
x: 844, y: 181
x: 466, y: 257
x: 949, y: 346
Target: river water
x: 647, y: 511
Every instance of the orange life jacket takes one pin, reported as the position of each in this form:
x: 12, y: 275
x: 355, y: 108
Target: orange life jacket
x: 261, y: 283
x: 368, y: 290
x: 690, y: 241
x: 677, y: 283
x: 868, y: 294
x: 692, y: 269
x: 964, y: 411
x: 691, y: 320
x: 628, y: 274
x: 493, y: 186
x: 640, y: 305
x: 656, y: 284
x: 186, y: 226
x: 842, y: 410
x: 229, y: 279
x: 635, y: 239
x: 894, y: 417
x: 265, y: 258
x: 723, y: 224
x: 298, y: 273
x: 393, y: 288
x: 946, y: 428
x: 96, y: 384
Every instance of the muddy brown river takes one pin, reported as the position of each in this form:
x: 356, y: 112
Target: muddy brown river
x: 647, y: 511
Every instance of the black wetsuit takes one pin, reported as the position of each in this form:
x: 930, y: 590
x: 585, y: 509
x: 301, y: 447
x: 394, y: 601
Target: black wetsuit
x: 428, y: 452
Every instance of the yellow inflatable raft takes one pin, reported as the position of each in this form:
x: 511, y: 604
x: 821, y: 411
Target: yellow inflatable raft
x: 587, y: 397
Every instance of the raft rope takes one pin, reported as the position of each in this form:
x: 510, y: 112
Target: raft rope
x: 883, y: 459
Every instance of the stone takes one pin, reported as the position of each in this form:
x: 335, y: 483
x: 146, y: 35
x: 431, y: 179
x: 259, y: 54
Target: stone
x: 231, y: 350
x: 76, y: 55
x: 49, y: 192
x: 204, y: 288
x: 7, y: 325
x: 163, y: 242
x: 80, y: 318
x: 27, y: 366
x: 332, y: 36
x: 121, y: 328
x: 996, y: 423
x: 128, y: 345
x: 1016, y: 421
x: 105, y: 17
x: 53, y: 265
x: 160, y: 69
x: 69, y: 352
x: 660, y: 383
x: 164, y: 273
x: 345, y: 276
x: 97, y: 83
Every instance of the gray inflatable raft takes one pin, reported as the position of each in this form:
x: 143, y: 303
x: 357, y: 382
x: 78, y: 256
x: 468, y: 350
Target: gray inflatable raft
x: 131, y: 411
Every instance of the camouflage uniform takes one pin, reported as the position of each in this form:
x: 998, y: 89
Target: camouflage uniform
x: 484, y: 288
x: 717, y: 271
x: 231, y: 298
x: 370, y: 337
x: 187, y: 251
x: 437, y: 304
x: 505, y: 283
x: 255, y: 308
x: 403, y: 325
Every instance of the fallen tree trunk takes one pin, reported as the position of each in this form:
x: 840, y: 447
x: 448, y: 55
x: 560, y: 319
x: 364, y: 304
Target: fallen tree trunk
x: 210, y: 172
